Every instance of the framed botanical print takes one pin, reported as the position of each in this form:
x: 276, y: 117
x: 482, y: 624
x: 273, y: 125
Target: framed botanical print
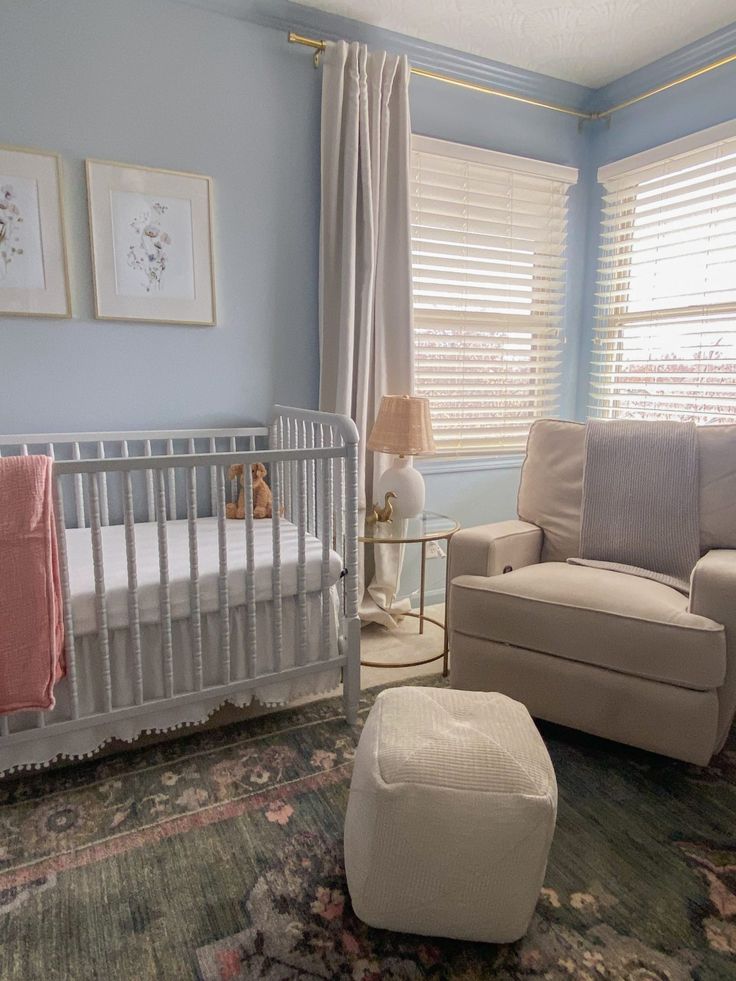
x: 151, y: 238
x: 34, y: 280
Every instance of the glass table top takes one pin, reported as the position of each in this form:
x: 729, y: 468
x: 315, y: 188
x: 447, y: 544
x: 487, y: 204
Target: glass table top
x: 423, y: 528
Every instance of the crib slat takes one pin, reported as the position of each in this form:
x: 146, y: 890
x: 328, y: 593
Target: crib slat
x: 24, y: 449
x: 277, y: 439
x: 100, y: 595
x: 78, y: 488
x: 150, y: 499
x: 351, y: 534
x: 213, y: 479
x: 164, y: 588
x: 250, y: 577
x: 277, y: 605
x: 134, y: 619
x: 276, y: 442
x: 301, y: 570
x: 234, y: 487
x: 290, y: 510
x: 171, y: 478
x: 222, y: 585
x: 194, y: 593
x: 102, y: 481
x: 319, y: 488
x: 309, y: 442
x: 66, y: 598
x: 326, y: 535
x: 339, y: 499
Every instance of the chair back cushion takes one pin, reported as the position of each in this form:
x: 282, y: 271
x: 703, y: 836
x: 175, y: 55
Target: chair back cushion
x: 551, y: 488
x: 717, y: 466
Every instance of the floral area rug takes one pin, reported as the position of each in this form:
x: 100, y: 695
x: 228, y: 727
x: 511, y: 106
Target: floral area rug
x: 219, y: 857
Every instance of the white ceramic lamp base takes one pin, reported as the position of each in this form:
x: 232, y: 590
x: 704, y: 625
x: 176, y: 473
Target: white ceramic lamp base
x: 408, y: 485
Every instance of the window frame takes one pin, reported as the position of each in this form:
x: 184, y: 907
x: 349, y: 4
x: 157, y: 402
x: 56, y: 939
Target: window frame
x: 491, y: 458
x: 713, y: 136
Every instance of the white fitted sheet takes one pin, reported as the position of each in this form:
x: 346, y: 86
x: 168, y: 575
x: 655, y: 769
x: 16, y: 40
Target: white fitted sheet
x: 82, y: 580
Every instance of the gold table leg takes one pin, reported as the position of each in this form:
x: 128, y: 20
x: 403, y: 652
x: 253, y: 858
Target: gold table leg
x: 421, y: 587
x: 421, y: 617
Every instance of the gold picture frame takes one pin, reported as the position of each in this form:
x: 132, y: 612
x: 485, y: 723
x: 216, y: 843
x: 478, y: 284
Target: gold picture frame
x: 152, y: 243
x: 34, y: 266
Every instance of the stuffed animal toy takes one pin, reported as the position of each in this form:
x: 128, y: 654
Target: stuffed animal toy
x: 262, y: 497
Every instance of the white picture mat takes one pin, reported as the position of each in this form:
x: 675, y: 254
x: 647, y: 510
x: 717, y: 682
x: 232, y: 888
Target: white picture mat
x: 110, y: 185
x: 36, y: 282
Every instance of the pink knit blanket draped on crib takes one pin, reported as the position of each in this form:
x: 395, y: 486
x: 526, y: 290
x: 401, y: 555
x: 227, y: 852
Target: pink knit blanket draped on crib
x: 31, y: 624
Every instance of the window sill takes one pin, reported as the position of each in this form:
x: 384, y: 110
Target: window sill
x: 458, y: 464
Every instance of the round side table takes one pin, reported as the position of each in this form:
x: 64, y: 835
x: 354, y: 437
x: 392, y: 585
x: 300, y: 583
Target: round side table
x: 426, y: 527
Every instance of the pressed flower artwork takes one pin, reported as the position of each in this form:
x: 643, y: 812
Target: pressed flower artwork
x: 151, y: 244
x: 21, y: 261
x: 33, y: 278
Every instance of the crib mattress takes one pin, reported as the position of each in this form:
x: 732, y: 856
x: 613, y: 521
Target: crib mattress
x: 82, y: 579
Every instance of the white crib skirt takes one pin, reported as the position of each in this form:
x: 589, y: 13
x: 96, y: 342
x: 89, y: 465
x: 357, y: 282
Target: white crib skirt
x: 159, y: 718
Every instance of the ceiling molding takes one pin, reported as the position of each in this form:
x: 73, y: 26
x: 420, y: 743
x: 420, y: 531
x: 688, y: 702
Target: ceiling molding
x: 286, y: 16
x: 693, y: 56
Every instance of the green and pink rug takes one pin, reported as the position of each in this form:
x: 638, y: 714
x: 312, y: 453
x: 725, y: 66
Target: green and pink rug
x: 219, y: 857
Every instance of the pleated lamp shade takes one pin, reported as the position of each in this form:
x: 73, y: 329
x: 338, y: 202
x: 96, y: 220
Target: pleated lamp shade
x: 403, y: 426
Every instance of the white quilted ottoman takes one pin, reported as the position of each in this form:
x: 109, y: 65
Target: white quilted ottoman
x: 451, y: 814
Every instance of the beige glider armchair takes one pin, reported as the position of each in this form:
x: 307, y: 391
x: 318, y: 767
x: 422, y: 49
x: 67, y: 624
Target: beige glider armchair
x: 611, y: 654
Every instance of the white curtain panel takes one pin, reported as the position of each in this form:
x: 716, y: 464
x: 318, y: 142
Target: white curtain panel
x: 365, y: 263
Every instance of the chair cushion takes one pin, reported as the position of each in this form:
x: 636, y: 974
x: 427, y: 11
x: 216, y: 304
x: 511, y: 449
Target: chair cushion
x: 620, y: 622
x: 551, y: 487
x: 717, y: 465
x: 550, y: 492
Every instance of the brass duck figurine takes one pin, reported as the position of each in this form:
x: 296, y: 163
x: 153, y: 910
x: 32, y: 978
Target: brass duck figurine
x: 383, y: 514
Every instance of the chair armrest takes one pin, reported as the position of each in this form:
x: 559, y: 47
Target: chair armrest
x: 713, y: 595
x: 487, y: 550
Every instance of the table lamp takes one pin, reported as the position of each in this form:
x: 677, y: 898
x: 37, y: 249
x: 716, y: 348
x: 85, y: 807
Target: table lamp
x: 403, y: 427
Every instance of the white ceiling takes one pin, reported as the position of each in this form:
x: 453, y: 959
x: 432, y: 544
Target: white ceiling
x: 588, y: 41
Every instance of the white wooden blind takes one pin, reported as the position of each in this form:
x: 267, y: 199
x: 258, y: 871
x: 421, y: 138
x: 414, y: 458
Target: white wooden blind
x: 488, y: 261
x: 665, y: 335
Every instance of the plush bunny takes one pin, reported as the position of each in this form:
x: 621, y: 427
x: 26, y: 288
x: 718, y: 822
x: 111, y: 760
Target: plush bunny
x: 262, y: 497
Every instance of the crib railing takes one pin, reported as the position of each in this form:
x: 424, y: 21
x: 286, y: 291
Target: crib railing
x: 80, y: 447
x: 312, y: 465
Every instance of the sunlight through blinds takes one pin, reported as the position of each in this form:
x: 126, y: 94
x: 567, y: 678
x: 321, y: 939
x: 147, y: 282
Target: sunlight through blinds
x: 665, y: 335
x: 488, y: 263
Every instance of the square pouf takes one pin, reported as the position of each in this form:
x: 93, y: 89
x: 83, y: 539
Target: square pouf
x: 451, y: 814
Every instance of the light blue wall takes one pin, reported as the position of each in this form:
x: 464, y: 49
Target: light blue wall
x: 159, y: 83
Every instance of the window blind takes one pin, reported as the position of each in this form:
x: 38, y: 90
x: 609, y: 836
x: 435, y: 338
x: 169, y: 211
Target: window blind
x: 665, y: 334
x: 488, y: 264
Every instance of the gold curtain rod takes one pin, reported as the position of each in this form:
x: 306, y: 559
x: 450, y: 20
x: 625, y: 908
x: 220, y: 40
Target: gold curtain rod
x: 319, y: 46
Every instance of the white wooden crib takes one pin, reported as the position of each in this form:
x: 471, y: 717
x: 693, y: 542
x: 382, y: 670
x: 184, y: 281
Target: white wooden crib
x: 170, y: 609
